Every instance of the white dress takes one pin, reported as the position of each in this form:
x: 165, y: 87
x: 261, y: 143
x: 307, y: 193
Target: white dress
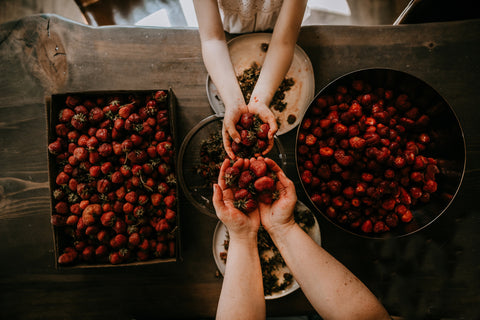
x: 244, y: 16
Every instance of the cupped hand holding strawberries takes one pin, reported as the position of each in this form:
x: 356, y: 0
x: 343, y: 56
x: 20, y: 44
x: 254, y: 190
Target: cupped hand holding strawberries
x: 238, y: 223
x: 277, y: 215
x: 229, y: 130
x: 254, y: 191
x: 248, y: 131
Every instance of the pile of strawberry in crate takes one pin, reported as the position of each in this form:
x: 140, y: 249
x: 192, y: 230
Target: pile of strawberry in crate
x: 113, y: 181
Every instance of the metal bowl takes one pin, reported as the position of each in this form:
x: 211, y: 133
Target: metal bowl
x: 447, y: 144
x: 197, y: 190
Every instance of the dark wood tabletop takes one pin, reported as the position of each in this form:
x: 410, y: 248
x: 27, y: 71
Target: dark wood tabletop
x: 432, y: 274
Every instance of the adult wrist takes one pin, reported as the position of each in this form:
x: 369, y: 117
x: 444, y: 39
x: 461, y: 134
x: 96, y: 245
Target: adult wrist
x: 280, y: 231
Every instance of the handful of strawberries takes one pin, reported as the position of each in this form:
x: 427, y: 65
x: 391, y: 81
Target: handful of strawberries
x: 253, y: 134
x: 251, y: 181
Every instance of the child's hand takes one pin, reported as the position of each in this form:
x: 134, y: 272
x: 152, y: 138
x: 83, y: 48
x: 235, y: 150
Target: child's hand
x: 279, y: 214
x: 239, y: 224
x: 230, y: 119
x: 267, y: 116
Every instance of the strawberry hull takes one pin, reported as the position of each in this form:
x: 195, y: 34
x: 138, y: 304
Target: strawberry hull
x: 91, y: 172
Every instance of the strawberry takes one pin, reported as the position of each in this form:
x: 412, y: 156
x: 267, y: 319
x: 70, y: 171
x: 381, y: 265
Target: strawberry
x: 246, y: 205
x: 115, y: 258
x: 103, y: 186
x: 231, y: 176
x: 134, y: 240
x: 62, y: 178
x: 131, y: 197
x: 138, y: 212
x: 171, y: 248
x: 262, y: 132
x: 267, y: 197
x: 163, y: 188
x: 245, y: 179
x: 101, y: 251
x: 92, y: 143
x: 170, y: 215
x: 161, y: 250
x: 105, y: 150
x: 248, y: 138
x: 68, y: 256
x: 169, y: 201
x: 80, y: 153
x: 65, y: 115
x: 117, y: 177
x: 242, y: 194
x: 91, y: 231
x: 96, y: 115
x: 93, y: 157
x: 61, y: 207
x: 73, y: 135
x: 258, y: 167
x: 81, y: 109
x: 164, y: 169
x: 61, y: 130
x: 137, y: 156
x: 264, y: 184
x: 136, y: 139
x: 126, y: 171
x: 106, y: 167
x: 124, y: 254
x: 163, y: 226
x: 102, y: 135
x: 246, y: 120
x: 160, y: 96
x: 108, y: 219
x: 58, y: 220
x: 55, y: 147
x: 164, y: 148
x: 124, y: 111
x: 78, y: 121
x: 119, y: 226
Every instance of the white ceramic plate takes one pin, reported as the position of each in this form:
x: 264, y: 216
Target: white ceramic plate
x: 220, y: 235
x: 246, y: 49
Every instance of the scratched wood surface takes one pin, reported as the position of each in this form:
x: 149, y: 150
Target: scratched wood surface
x: 431, y: 273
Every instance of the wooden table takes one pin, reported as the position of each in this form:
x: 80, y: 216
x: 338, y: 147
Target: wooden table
x: 433, y: 272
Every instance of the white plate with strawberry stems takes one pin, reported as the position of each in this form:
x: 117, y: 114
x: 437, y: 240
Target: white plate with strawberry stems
x: 246, y: 49
x: 220, y: 236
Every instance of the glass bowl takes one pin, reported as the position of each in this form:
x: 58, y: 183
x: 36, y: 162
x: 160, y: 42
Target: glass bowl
x: 196, y: 188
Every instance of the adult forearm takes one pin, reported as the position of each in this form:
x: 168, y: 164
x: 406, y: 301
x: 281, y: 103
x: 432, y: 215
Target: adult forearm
x: 219, y: 66
x: 329, y: 286
x: 242, y: 292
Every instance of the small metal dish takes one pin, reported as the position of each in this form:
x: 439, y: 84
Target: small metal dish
x: 197, y: 190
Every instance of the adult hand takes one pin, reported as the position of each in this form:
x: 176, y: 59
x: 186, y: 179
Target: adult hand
x: 230, y: 119
x: 279, y: 214
x: 267, y: 116
x: 239, y: 224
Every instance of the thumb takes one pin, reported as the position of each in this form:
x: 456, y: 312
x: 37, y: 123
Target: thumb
x: 217, y: 198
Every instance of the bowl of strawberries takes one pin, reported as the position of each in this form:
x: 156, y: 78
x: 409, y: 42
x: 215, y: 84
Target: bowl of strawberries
x: 202, y: 154
x: 380, y: 153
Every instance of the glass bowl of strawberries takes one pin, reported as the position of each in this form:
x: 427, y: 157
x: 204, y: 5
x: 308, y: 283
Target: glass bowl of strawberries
x: 201, y: 156
x: 380, y: 153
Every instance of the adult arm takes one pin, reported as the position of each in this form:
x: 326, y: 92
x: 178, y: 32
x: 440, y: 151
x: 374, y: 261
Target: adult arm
x: 331, y: 288
x: 242, y: 290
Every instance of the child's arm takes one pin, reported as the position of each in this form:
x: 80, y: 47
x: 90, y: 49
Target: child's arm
x: 279, y: 58
x: 219, y: 66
